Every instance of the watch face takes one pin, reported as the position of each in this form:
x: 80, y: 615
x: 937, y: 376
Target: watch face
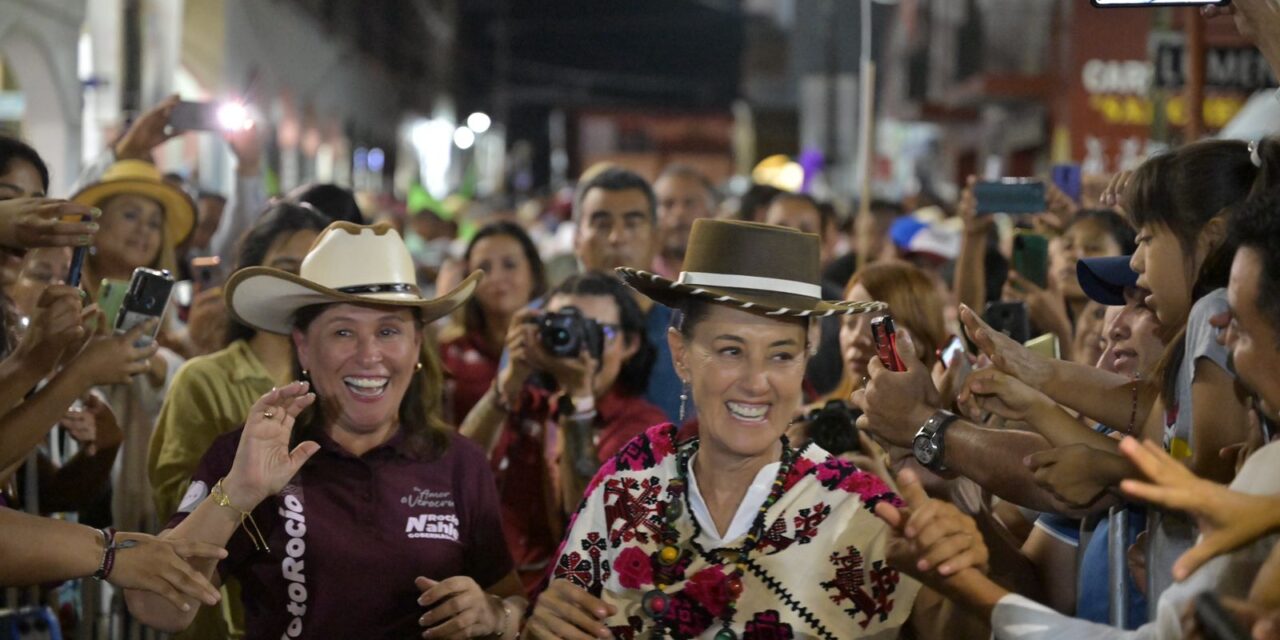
x: 923, y: 450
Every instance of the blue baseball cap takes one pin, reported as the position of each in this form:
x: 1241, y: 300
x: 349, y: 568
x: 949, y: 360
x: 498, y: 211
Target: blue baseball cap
x: 1105, y: 279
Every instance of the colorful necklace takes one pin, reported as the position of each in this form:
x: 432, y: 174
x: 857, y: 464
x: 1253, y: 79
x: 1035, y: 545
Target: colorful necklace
x: 656, y: 602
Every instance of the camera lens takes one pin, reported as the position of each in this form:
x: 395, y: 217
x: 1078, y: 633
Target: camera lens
x: 560, y: 337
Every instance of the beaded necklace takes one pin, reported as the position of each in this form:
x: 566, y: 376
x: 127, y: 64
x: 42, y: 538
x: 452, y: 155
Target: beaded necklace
x: 656, y: 602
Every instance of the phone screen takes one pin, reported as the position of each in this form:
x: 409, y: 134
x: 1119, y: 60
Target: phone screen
x: 1031, y: 258
x: 955, y: 347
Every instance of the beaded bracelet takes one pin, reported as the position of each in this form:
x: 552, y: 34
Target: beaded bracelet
x: 108, y: 554
x: 1133, y: 407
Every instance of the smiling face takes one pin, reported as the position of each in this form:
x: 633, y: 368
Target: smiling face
x: 360, y: 360
x: 508, y: 278
x: 745, y: 373
x: 132, y: 228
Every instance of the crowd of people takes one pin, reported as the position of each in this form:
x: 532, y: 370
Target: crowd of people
x: 646, y: 411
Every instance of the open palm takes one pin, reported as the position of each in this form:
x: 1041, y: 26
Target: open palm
x: 264, y: 462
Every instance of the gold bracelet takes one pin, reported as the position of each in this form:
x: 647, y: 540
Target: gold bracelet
x: 219, y: 496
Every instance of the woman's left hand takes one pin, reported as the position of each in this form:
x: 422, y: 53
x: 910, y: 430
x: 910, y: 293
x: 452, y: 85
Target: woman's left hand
x: 459, y: 608
x: 931, y: 539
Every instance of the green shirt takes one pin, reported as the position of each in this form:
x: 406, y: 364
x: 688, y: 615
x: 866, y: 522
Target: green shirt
x: 209, y: 396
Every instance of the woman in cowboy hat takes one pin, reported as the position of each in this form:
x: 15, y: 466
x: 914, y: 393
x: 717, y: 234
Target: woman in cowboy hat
x: 393, y: 523
x: 143, y: 220
x: 735, y: 533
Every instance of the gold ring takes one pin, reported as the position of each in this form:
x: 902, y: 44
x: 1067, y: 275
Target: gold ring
x: 268, y: 414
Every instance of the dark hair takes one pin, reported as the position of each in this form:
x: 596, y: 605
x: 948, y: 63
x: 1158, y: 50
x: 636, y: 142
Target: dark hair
x: 472, y: 313
x: 12, y: 149
x: 757, y: 196
x: 1114, y: 224
x: 333, y: 201
x: 425, y: 431
x: 679, y: 170
x: 1256, y: 225
x: 280, y: 219
x: 634, y: 376
x: 1182, y: 191
x: 826, y: 212
x: 616, y: 179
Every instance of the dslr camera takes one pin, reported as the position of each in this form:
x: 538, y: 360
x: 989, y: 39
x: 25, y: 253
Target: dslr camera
x: 833, y: 427
x: 566, y: 333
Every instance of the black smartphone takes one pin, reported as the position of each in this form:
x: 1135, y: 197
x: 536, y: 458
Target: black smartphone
x: 1216, y: 623
x: 77, y: 257
x: 1010, y: 195
x: 886, y: 337
x: 1009, y: 318
x: 146, y: 299
x: 1031, y: 258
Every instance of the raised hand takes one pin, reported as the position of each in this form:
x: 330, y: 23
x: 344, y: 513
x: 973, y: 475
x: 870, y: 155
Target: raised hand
x: 1112, y: 195
x: 1046, y: 306
x: 115, y: 359
x: 264, y: 463
x: 1227, y: 519
x: 520, y: 351
x: 1006, y: 353
x: 997, y: 392
x: 457, y: 608
x: 56, y: 326
x: 566, y: 611
x: 930, y: 538
x: 896, y: 403
x: 27, y: 223
x: 1073, y: 473
x: 149, y: 131
x: 160, y: 565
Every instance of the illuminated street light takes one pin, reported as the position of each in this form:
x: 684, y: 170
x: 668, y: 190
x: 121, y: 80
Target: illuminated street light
x: 464, y: 137
x: 478, y: 122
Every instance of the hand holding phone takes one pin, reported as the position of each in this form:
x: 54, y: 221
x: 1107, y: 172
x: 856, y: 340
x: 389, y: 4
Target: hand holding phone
x: 886, y: 337
x: 1031, y: 258
x: 146, y: 299
x: 209, y: 116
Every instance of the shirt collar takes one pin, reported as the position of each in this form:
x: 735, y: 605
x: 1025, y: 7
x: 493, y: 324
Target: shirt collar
x: 397, y: 445
x: 245, y: 364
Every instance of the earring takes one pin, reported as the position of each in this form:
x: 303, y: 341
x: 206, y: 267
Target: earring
x: 417, y: 367
x: 684, y: 398
x: 306, y: 374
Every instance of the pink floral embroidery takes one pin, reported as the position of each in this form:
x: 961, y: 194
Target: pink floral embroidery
x: 661, y: 441
x: 710, y: 588
x: 634, y: 569
x: 767, y: 625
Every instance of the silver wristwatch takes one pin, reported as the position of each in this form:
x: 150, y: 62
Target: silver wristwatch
x: 928, y: 443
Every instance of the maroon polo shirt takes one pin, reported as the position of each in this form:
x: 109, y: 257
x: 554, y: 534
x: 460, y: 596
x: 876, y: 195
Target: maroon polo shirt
x: 349, y: 534
x: 526, y: 467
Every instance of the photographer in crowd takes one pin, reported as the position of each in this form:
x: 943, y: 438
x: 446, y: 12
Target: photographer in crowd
x: 569, y: 396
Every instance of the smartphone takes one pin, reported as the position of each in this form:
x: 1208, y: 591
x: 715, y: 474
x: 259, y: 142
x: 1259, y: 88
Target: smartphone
x: 110, y: 297
x: 886, y: 338
x: 77, y: 255
x: 209, y: 116
x: 953, y: 348
x: 1216, y: 623
x: 1009, y: 318
x: 1066, y: 177
x: 1046, y: 345
x: 1010, y: 195
x: 146, y: 299
x: 1031, y: 258
x: 1157, y: 3
x: 203, y: 272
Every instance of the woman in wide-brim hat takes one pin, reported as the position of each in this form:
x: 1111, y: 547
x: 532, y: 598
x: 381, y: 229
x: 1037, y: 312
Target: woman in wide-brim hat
x: 733, y: 533
x: 144, y: 220
x: 383, y: 519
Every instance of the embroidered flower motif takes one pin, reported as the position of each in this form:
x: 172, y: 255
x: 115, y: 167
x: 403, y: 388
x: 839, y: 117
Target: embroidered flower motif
x: 634, y: 568
x: 710, y: 588
x: 799, y: 469
x: 662, y: 441
x: 686, y: 617
x: 767, y: 625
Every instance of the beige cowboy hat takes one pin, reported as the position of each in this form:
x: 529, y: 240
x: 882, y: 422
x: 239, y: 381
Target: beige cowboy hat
x: 359, y: 264
x: 139, y: 177
x: 761, y: 268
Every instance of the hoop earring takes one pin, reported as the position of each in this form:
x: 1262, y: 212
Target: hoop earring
x: 684, y: 399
